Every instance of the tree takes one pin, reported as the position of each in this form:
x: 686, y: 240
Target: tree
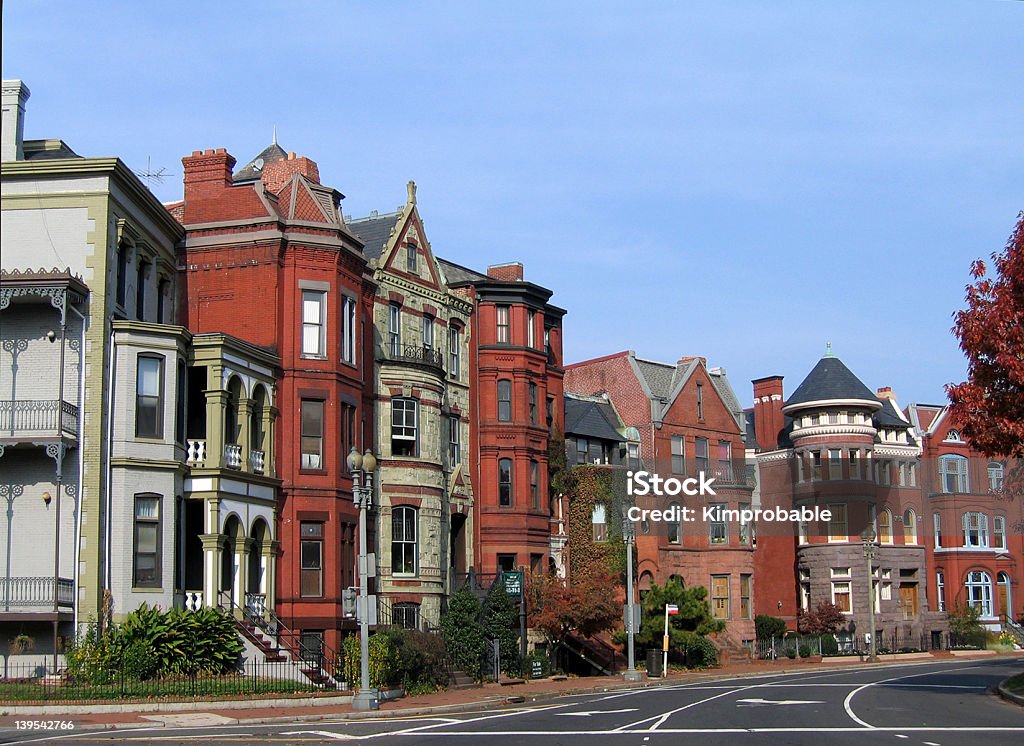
x: 501, y: 622
x: 585, y: 607
x: 694, y: 615
x: 462, y: 632
x: 989, y: 406
x: 824, y: 619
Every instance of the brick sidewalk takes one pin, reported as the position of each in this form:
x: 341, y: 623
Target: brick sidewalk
x: 480, y: 698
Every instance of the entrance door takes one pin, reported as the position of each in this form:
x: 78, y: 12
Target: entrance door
x: 1003, y: 595
x: 908, y: 600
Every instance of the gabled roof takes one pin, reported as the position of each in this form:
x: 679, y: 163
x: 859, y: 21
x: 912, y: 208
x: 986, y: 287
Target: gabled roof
x: 456, y: 274
x: 374, y: 231
x: 591, y: 418
x: 251, y: 171
x: 830, y: 380
x: 659, y: 377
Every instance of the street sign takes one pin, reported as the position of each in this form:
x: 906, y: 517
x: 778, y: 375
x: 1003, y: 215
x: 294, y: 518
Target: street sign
x: 371, y: 606
x: 513, y: 582
x: 635, y: 626
x: 671, y: 609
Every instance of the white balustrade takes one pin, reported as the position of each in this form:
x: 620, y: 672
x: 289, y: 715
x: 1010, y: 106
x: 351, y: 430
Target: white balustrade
x: 195, y: 453
x: 233, y: 455
x: 256, y: 461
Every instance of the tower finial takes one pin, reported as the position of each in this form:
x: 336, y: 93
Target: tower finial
x: 828, y: 350
x: 275, y: 134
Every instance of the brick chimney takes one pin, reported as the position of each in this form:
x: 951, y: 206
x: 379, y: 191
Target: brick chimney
x: 886, y: 393
x: 277, y: 173
x: 768, y: 417
x: 511, y: 272
x: 207, y: 173
x: 688, y: 358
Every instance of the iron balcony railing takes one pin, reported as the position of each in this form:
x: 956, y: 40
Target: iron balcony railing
x: 416, y: 354
x: 38, y: 417
x: 35, y: 593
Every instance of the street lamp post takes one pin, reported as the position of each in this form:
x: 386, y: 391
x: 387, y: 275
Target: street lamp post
x: 629, y: 536
x: 362, y: 468
x: 868, y: 540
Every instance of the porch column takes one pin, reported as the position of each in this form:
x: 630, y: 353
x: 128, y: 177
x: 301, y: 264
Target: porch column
x: 216, y: 407
x: 213, y: 544
x: 270, y: 458
x: 268, y: 557
x: 244, y: 430
x: 242, y: 546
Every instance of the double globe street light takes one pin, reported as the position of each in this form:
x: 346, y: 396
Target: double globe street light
x: 868, y: 537
x: 362, y: 468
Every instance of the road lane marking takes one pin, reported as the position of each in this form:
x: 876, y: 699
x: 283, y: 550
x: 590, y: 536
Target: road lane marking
x: 660, y: 719
x: 851, y: 695
x: 760, y: 701
x: 588, y: 713
x: 322, y: 734
x: 683, y: 731
x: 930, y: 743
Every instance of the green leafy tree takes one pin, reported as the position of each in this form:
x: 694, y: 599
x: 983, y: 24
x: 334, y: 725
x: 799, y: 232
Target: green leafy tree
x: 501, y: 622
x: 686, y: 630
x: 462, y: 632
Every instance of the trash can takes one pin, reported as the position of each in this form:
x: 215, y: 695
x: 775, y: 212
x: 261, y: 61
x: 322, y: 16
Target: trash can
x: 654, y: 662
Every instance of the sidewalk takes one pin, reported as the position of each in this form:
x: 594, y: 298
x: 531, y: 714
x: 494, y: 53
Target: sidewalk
x: 129, y: 715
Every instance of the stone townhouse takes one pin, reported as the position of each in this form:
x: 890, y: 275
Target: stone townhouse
x: 421, y: 385
x: 685, y: 419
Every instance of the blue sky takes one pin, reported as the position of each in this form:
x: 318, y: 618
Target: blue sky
x: 739, y: 180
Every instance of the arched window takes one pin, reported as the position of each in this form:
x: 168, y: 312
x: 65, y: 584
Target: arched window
x: 885, y: 527
x: 404, y: 525
x: 675, y: 528
x: 995, y: 476
x: 953, y: 436
x: 979, y: 591
x: 1004, y: 602
x: 909, y: 527
x: 504, y: 400
x: 505, y: 483
x: 953, y: 470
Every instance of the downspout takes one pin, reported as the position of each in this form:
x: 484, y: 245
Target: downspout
x: 107, y: 540
x: 81, y: 470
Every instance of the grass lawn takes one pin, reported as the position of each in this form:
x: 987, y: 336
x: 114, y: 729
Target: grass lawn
x: 1016, y: 684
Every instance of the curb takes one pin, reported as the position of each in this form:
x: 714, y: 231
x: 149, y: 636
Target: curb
x: 501, y: 701
x: 1009, y: 696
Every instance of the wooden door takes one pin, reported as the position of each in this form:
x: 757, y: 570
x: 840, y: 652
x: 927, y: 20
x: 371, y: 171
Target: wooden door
x: 908, y: 599
x: 1002, y: 599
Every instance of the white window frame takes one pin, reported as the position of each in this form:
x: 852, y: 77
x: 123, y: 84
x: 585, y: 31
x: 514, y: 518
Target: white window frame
x: 999, y: 532
x: 940, y: 590
x: 979, y: 583
x: 454, y: 352
x: 976, y: 522
x: 454, y: 442
x: 937, y: 528
x: 314, y: 330
x: 395, y: 328
x: 348, y: 329
x: 403, y: 539
x: 960, y: 474
x: 428, y: 332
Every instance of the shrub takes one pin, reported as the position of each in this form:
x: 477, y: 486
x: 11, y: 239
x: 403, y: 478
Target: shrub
x: 805, y: 650
x: 829, y: 645
x: 700, y: 652
x: 501, y: 622
x: 766, y: 627
x: 421, y: 660
x: 790, y: 652
x: 462, y: 632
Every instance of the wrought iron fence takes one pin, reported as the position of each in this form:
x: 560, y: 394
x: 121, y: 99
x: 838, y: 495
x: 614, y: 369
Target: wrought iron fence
x: 795, y: 646
x: 416, y: 354
x: 29, y: 683
x: 38, y: 416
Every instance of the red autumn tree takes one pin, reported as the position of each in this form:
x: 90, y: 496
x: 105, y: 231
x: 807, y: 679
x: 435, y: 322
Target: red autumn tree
x: 824, y: 619
x: 588, y: 606
x: 989, y: 405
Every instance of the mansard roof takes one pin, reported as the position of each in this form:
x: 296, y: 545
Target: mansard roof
x: 252, y: 170
x: 591, y: 418
x: 831, y: 380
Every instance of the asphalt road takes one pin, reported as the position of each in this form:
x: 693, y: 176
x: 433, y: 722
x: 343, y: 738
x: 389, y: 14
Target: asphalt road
x: 934, y: 704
